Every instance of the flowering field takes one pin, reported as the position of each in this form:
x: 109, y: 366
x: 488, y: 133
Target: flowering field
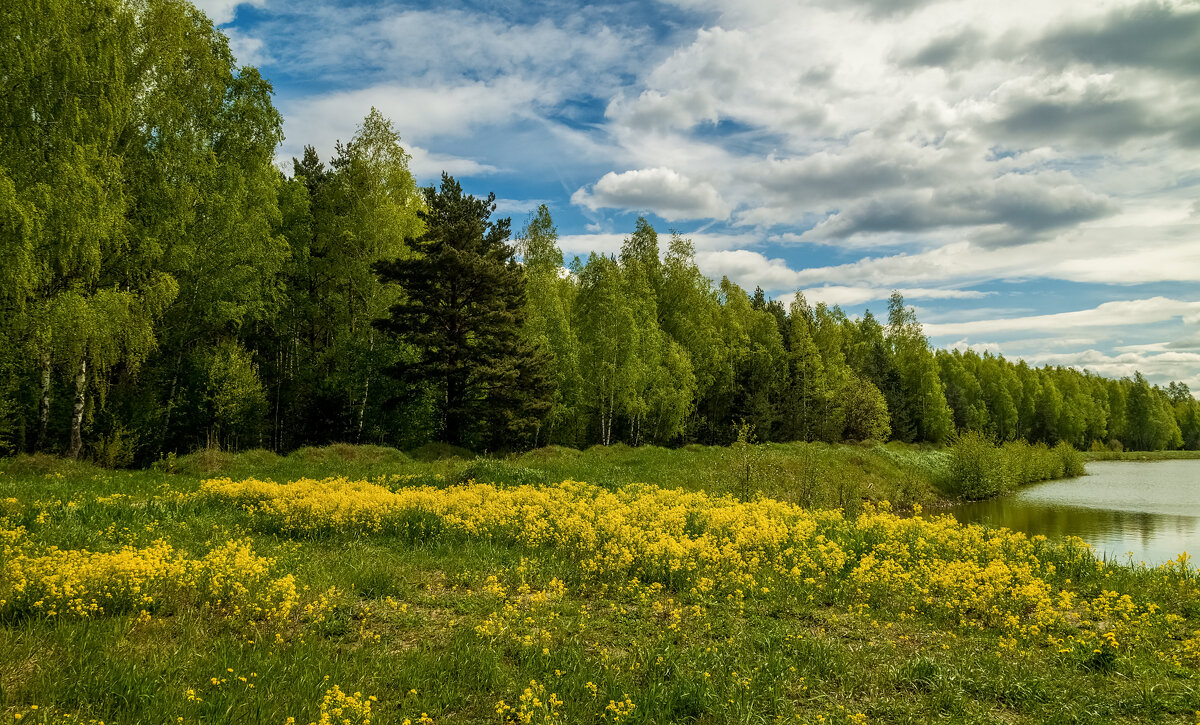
x: 149, y: 597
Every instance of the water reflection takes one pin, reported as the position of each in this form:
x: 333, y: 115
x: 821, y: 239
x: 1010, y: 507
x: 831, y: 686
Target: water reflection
x: 1147, y: 510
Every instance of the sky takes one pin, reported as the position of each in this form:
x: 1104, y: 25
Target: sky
x: 1026, y: 172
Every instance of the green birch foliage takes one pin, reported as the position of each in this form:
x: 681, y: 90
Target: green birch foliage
x: 372, y: 209
x: 550, y: 296
x: 1151, y: 423
x: 924, y: 414
x: 604, y: 320
x: 758, y: 361
x: 664, y: 384
x: 808, y: 390
x: 828, y: 332
x: 326, y: 357
x: 865, y: 412
x: 81, y: 80
x: 689, y: 312
x: 999, y: 388
x: 234, y: 395
x: 964, y: 391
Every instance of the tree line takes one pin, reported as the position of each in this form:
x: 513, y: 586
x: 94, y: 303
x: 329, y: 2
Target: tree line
x: 164, y: 287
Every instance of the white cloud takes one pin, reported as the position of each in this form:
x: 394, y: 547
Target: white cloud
x: 610, y: 243
x: 1159, y: 368
x: 247, y: 49
x: 518, y: 209
x: 748, y: 269
x: 925, y: 146
x: 844, y: 295
x: 421, y: 114
x: 665, y: 192
x: 223, y: 11
x: 1098, y: 254
x: 425, y: 165
x: 1108, y: 315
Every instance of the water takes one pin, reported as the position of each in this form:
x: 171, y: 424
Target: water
x: 1140, y: 511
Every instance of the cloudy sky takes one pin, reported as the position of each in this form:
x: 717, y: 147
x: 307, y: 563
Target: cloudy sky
x: 1026, y: 172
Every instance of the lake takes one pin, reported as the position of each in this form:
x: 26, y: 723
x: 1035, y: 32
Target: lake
x: 1149, y: 511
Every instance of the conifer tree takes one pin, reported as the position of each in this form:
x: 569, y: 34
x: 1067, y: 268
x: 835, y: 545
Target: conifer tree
x: 462, y: 307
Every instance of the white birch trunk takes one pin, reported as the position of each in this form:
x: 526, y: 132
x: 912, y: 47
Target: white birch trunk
x: 44, y: 404
x: 77, y: 414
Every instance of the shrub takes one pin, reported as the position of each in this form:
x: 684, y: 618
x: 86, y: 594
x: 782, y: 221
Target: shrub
x: 977, y: 467
x: 440, y: 452
x: 489, y: 470
x: 1072, y: 460
x: 349, y: 453
x: 117, y: 449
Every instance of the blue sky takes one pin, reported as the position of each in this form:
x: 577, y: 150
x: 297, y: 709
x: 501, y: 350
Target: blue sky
x: 1026, y: 172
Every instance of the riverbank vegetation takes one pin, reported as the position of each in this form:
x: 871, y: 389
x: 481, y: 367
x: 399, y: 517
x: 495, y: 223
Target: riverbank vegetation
x: 813, y: 475
x: 420, y: 597
x: 163, y: 288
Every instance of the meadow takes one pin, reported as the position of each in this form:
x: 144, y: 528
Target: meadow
x: 749, y: 584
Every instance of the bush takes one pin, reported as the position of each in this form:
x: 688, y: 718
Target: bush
x: 552, y: 453
x: 977, y: 467
x: 117, y: 449
x: 487, y: 470
x: 1072, y: 460
x: 349, y: 453
x: 440, y: 452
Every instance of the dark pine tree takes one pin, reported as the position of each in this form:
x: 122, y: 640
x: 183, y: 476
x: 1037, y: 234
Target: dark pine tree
x: 462, y: 309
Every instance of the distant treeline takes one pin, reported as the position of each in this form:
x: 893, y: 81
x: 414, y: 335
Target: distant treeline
x: 164, y: 287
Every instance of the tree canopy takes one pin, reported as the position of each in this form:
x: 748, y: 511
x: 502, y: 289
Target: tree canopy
x: 163, y: 286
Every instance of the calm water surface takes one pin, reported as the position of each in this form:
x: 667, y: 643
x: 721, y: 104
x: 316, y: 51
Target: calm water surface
x: 1149, y: 511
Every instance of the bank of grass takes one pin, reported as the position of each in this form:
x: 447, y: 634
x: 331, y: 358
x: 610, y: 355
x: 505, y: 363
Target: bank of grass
x: 815, y: 475
x: 407, y: 594
x: 1110, y: 455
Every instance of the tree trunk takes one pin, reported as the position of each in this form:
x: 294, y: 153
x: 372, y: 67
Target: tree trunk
x: 44, y: 404
x: 166, y: 429
x: 362, y: 410
x: 77, y: 414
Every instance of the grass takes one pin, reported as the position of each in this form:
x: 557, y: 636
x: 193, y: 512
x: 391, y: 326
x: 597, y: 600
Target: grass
x: 1107, y: 455
x: 432, y: 602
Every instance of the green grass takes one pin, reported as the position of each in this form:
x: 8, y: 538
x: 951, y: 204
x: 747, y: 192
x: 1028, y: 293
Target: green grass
x: 811, y: 474
x: 403, y: 624
x: 1106, y: 455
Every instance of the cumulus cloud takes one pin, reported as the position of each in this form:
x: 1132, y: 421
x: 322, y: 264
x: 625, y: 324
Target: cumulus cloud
x: 1158, y: 35
x: 427, y: 164
x: 751, y: 269
x: 415, y: 112
x: 665, y: 192
x: 1191, y: 342
x: 1092, y: 110
x: 748, y: 269
x: 843, y: 148
x: 844, y: 295
x: 1108, y: 315
x: 1025, y: 203
x: 1158, y: 368
x: 1099, y: 254
x: 247, y: 49
x: 964, y: 46
x: 221, y: 12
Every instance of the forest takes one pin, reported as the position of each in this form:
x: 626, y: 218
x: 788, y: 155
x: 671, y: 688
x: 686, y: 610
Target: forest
x: 165, y: 287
